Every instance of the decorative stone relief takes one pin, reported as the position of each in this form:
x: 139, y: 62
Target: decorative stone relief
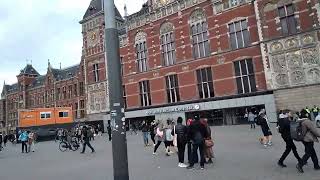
x: 294, y: 60
x: 196, y: 16
x: 277, y: 46
x: 310, y: 56
x: 291, y: 43
x: 297, y: 77
x: 282, y: 79
x: 313, y: 75
x: 97, y: 98
x: 140, y: 37
x: 279, y: 63
x: 166, y: 27
x: 308, y: 39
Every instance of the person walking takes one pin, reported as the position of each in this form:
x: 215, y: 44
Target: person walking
x: 197, y: 133
x: 153, y: 131
x: 5, y: 140
x: 208, y: 152
x: 109, y: 131
x: 31, y: 142
x: 181, y: 133
x: 284, y: 130
x: 251, y: 118
x: 1, y: 139
x: 86, y: 141
x: 311, y: 134
x: 262, y: 120
x: 159, y: 136
x: 145, y: 133
x: 168, y: 138
x: 24, y: 139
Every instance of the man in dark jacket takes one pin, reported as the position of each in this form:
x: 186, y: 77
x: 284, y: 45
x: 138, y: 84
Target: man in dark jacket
x: 284, y: 129
x: 197, y: 133
x: 311, y: 134
x: 86, y: 140
x: 109, y: 132
x: 181, y: 132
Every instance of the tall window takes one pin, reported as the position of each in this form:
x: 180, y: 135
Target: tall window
x: 145, y: 97
x: 70, y: 91
x: 172, y: 88
x: 287, y: 20
x: 75, y: 89
x: 64, y: 93
x: 124, y: 96
x: 239, y: 34
x: 244, y: 72
x: 81, y: 87
x: 205, y: 83
x: 167, y: 44
x: 121, y: 67
x: 141, y: 52
x: 96, y: 72
x: 199, y: 35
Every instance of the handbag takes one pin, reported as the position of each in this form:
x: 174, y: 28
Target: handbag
x: 209, y: 142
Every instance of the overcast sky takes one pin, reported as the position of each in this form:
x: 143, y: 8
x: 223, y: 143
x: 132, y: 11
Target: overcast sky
x: 39, y: 30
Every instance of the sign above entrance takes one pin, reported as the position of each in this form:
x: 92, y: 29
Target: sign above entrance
x: 174, y: 109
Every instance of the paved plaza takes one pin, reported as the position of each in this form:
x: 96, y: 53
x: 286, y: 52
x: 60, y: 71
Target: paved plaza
x: 239, y: 156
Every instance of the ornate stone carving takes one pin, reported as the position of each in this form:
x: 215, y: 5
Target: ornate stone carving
x: 282, y: 79
x: 307, y: 39
x: 313, y: 75
x: 279, y: 63
x: 310, y: 56
x: 297, y: 77
x: 291, y: 43
x: 294, y: 60
x: 276, y: 46
x: 196, y: 16
x: 166, y: 27
x: 140, y: 37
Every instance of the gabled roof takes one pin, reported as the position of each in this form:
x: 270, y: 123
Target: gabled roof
x: 29, y: 70
x: 96, y: 7
x: 38, y: 81
x: 12, y: 88
x: 143, y: 10
x: 67, y: 73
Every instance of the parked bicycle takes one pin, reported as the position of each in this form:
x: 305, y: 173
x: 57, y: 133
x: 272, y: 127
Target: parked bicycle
x: 72, y: 145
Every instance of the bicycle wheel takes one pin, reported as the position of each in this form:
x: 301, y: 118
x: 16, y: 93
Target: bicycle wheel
x: 63, y: 146
x: 74, y: 146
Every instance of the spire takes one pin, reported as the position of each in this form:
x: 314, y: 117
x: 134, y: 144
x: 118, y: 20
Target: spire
x: 125, y: 11
x: 60, y: 65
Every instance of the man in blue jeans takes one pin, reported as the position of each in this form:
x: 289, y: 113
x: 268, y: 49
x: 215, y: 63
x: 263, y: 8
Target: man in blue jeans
x: 145, y: 133
x: 197, y: 133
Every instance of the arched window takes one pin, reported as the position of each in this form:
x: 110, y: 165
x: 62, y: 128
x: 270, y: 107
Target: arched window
x: 199, y: 34
x: 167, y: 44
x: 141, y: 51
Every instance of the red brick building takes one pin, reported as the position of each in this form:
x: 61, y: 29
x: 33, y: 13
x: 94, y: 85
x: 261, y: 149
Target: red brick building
x: 289, y: 36
x: 182, y: 58
x: 57, y: 88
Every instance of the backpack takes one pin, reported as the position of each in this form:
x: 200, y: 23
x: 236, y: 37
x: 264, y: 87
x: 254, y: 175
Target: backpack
x: 198, y: 138
x: 258, y: 120
x: 296, y: 131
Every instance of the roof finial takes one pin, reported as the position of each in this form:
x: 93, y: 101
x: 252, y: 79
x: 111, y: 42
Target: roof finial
x: 60, y: 65
x: 125, y: 10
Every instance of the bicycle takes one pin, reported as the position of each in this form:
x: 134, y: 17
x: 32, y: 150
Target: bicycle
x: 73, y: 145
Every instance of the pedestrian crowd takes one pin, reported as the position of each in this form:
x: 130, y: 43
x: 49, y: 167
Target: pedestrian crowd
x: 195, y: 136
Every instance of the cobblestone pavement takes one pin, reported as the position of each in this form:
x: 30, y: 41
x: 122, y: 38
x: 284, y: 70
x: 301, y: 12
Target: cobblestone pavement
x: 239, y: 156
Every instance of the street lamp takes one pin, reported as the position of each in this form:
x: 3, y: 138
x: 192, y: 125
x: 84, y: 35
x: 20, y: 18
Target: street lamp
x: 112, y: 57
